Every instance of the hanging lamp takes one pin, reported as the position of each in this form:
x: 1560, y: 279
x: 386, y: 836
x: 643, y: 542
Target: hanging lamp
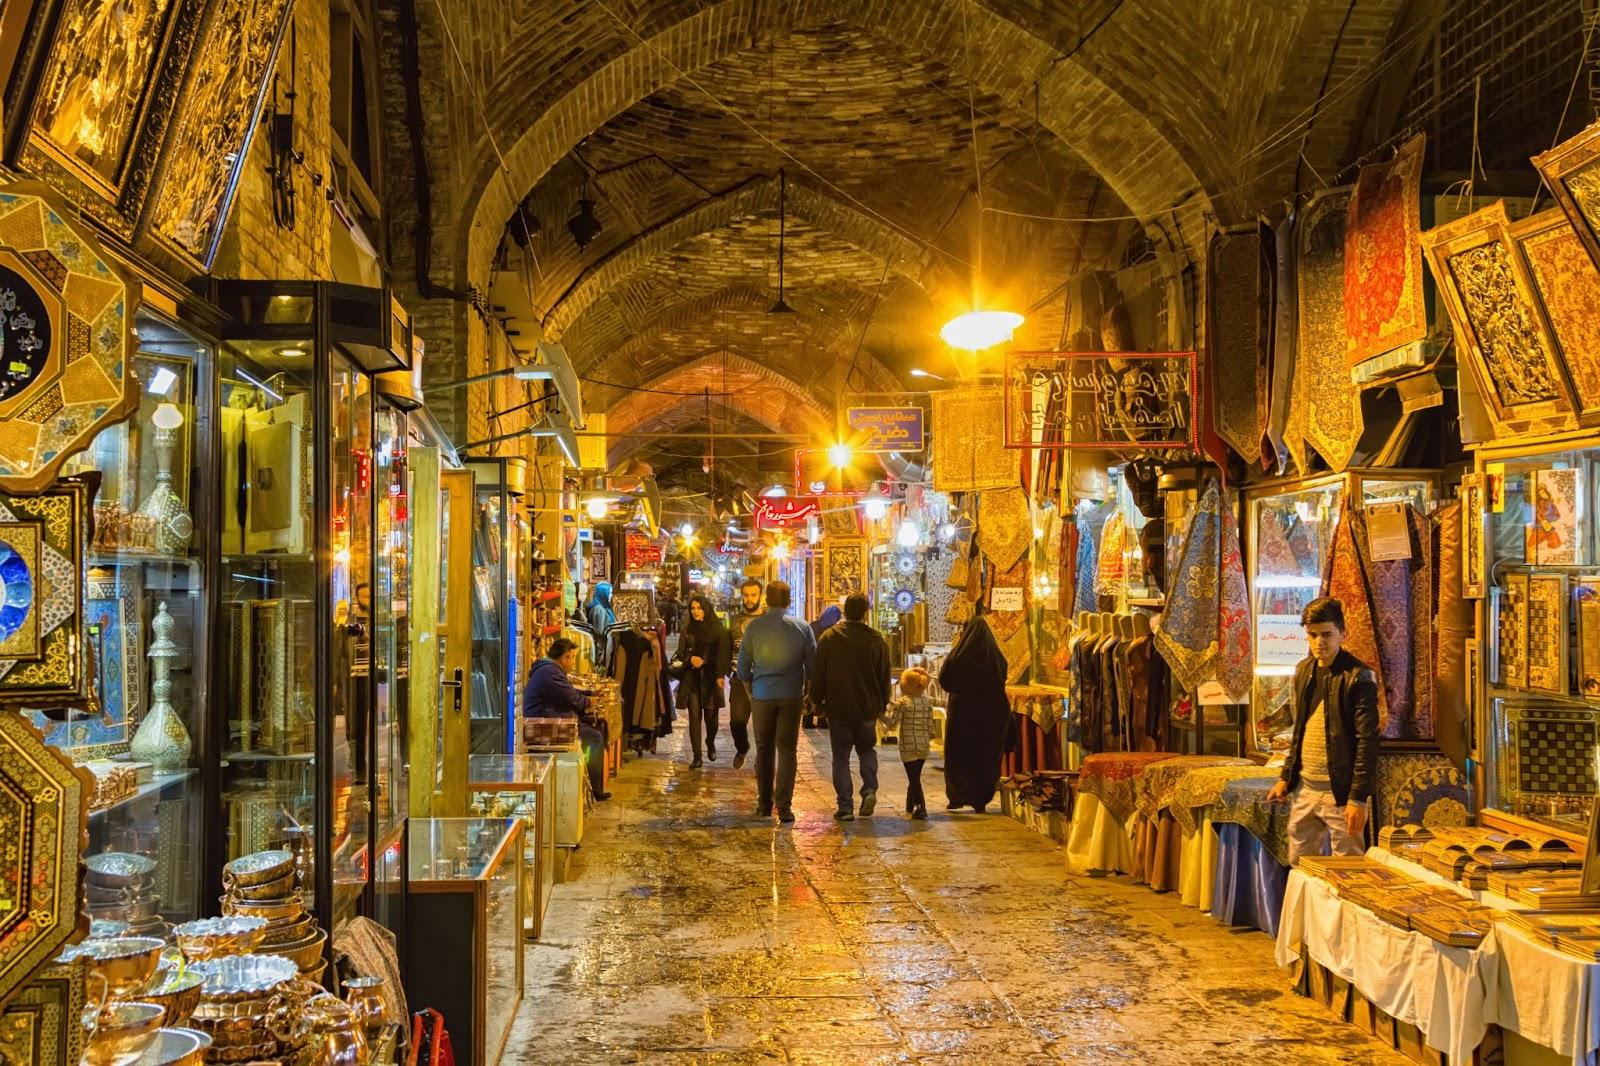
x: 781, y: 308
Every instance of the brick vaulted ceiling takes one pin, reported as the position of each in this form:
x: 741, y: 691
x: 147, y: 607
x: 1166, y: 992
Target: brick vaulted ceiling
x: 677, y: 116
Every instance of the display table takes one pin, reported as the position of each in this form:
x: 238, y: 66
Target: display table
x: 570, y: 785
x: 465, y: 905
x: 1249, y: 882
x: 1097, y: 843
x: 1549, y: 999
x: 519, y: 786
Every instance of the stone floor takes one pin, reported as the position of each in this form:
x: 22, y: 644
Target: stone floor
x: 695, y: 933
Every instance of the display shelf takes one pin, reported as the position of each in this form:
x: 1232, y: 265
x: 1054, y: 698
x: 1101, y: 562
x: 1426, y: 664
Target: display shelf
x: 132, y: 558
x: 267, y: 756
x: 161, y: 783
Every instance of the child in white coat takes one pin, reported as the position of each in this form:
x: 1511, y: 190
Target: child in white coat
x: 910, y: 715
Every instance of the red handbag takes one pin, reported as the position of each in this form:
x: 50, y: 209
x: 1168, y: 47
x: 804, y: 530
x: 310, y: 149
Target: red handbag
x: 430, y: 1041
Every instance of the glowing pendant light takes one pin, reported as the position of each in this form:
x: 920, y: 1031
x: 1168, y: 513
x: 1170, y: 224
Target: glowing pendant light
x: 977, y: 330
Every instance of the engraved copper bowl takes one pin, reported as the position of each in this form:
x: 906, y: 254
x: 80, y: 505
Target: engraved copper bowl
x: 132, y: 911
x: 284, y: 908
x: 176, y: 990
x: 276, y: 889
x: 288, y: 932
x: 258, y: 868
x: 176, y: 1046
x: 209, y: 937
x: 304, y: 953
x: 125, y: 964
x: 122, y: 1032
x: 106, y: 929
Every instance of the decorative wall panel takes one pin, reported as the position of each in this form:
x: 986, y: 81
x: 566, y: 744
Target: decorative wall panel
x: 1572, y: 170
x: 844, y: 568
x: 1566, y: 285
x: 60, y: 520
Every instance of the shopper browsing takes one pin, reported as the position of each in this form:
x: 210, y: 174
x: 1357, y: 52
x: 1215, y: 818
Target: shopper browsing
x: 850, y: 686
x: 550, y: 693
x: 774, y: 661
x: 1328, y: 776
x: 703, y: 651
x: 738, y: 692
x: 910, y: 715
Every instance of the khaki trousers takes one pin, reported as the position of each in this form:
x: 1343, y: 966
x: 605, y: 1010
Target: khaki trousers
x: 1316, y: 825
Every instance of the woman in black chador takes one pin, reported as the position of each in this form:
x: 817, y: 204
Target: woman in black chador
x: 706, y: 653
x: 978, y: 718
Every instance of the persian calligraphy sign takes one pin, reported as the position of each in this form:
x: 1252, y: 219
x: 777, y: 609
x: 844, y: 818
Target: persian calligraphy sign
x: 1119, y: 400
x: 785, y: 512
x: 886, y: 429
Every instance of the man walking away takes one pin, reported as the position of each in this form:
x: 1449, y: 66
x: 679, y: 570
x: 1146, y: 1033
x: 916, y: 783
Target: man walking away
x: 850, y: 685
x: 1328, y: 776
x: 738, y: 691
x: 774, y: 661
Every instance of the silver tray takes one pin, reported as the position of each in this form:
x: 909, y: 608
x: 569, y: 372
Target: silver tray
x: 246, y: 975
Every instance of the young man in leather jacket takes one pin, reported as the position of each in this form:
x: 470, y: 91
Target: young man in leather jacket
x: 1329, y: 774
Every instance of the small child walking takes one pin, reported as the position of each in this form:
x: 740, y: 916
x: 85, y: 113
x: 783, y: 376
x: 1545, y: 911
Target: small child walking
x: 910, y: 715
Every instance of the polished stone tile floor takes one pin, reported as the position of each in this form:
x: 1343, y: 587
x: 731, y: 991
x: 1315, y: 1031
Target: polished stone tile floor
x: 693, y: 932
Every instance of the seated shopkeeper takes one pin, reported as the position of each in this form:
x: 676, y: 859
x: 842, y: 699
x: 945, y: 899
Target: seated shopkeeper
x: 551, y: 694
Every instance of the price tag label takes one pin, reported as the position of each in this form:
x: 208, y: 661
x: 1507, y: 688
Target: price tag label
x: 1008, y: 598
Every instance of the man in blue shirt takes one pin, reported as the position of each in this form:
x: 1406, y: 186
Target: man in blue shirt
x: 774, y: 663
x: 550, y: 693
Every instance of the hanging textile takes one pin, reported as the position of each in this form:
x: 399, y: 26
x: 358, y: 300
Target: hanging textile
x: 1326, y: 409
x: 1453, y: 627
x: 1238, y: 334
x: 1205, y: 630
x: 1090, y: 521
x: 1005, y: 526
x: 1111, y: 571
x: 969, y: 452
x: 1383, y: 304
x: 1274, y: 449
x: 1005, y: 623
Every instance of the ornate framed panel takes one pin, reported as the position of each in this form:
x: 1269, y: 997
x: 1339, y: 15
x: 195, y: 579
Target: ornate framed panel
x: 56, y: 675
x: 101, y: 89
x: 1473, y: 558
x: 1566, y: 285
x: 207, y: 148
x: 1572, y: 170
x: 114, y: 644
x: 66, y: 328
x: 1511, y: 632
x: 1547, y: 633
x: 634, y: 605
x: 1472, y: 665
x: 1499, y: 330
x: 44, y: 803
x: 844, y: 568
x: 1586, y: 608
x: 1555, y: 535
x: 41, y: 1025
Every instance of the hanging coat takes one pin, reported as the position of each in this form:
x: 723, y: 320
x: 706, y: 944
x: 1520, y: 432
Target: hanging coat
x: 978, y: 719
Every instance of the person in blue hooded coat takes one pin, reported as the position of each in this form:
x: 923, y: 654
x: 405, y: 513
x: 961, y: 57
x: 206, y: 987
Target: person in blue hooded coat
x: 601, y: 615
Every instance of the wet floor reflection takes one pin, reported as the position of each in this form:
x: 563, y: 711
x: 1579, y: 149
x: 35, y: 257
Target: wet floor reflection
x: 695, y: 934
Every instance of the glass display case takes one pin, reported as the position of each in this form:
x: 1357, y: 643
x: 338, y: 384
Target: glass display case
x: 465, y: 903
x: 1539, y: 636
x: 520, y: 786
x: 498, y: 618
x: 1289, y: 528
x: 145, y: 735
x: 301, y: 626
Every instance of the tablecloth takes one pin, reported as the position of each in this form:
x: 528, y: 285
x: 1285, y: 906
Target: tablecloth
x: 1156, y: 784
x: 1157, y: 851
x: 1244, y: 802
x: 1111, y: 777
x: 1201, y: 788
x: 1443, y: 991
x: 1197, y: 868
x: 1096, y: 841
x: 1249, y: 884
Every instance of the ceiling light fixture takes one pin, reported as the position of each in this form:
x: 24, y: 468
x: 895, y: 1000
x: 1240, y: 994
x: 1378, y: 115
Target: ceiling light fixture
x: 918, y: 372
x: 978, y: 328
x: 584, y: 226
x: 598, y: 507
x: 781, y: 308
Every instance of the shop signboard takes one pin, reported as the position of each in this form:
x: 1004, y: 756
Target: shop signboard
x: 886, y: 429
x: 1118, y: 400
x: 785, y: 512
x: 644, y: 553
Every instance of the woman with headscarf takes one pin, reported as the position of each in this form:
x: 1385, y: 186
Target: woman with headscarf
x: 978, y: 720
x: 706, y: 652
x: 601, y: 616
x: 830, y: 617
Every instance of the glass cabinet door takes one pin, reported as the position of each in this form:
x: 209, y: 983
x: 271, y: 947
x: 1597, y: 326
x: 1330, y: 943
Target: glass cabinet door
x: 271, y: 652
x: 492, y: 683
x: 390, y: 783
x: 144, y: 605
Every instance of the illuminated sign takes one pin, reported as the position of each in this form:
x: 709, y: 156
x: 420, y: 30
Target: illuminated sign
x: 886, y: 429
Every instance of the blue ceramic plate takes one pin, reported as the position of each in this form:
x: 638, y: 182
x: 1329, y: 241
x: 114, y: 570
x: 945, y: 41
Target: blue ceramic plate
x: 16, y: 591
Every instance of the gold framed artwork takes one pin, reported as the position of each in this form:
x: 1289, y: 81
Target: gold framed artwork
x: 44, y: 807
x: 969, y: 441
x: 1498, y: 327
x: 1586, y: 608
x: 1566, y: 285
x: 67, y: 335
x: 1572, y: 170
x: 106, y: 85
x: 114, y: 644
x: 1472, y: 663
x: 844, y: 568
x: 1511, y: 632
x: 56, y: 674
x: 1554, y: 536
x: 1547, y: 633
x: 1473, y: 559
x: 207, y: 149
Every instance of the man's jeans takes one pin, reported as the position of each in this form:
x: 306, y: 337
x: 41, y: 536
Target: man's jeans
x: 863, y: 737
x: 739, y: 714
x: 777, y: 725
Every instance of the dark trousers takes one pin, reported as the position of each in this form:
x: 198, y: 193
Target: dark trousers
x: 703, y: 715
x: 777, y: 725
x: 739, y: 714
x: 863, y: 738
x: 594, y: 751
x: 914, y: 796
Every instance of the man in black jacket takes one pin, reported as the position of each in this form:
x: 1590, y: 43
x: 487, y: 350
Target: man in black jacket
x: 850, y: 682
x: 1328, y: 776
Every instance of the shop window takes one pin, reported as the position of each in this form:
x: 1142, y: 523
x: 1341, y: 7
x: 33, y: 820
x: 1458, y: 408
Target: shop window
x: 353, y: 108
